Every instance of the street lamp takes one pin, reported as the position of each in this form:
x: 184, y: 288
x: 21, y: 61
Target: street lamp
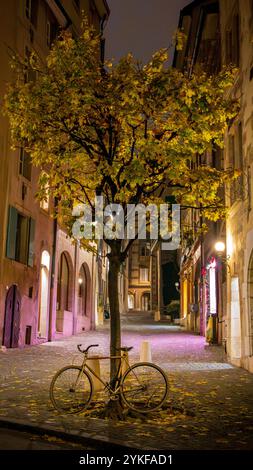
x: 219, y: 247
x: 177, y: 286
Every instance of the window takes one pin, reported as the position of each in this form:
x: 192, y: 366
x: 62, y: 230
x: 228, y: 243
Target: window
x: 82, y: 292
x: 240, y: 146
x: 25, y: 164
x: 249, y: 188
x: 94, y: 18
x: 77, y: 4
x: 229, y: 47
x: 31, y: 11
x: 233, y: 42
x: 20, y: 237
x: 44, y: 203
x: 30, y: 73
x: 236, y: 40
x: 236, y: 162
x: 52, y: 28
x: 144, y: 250
x: 231, y: 151
x: 144, y: 274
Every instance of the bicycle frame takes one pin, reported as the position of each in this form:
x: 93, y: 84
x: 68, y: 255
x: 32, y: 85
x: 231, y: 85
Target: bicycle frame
x: 106, y: 385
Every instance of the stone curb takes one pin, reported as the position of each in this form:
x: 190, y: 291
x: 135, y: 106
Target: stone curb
x: 71, y: 436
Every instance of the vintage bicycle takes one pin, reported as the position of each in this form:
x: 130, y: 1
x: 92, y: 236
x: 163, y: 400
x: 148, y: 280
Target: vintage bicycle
x: 143, y: 387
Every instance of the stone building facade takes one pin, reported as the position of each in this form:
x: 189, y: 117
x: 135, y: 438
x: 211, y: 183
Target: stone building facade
x: 225, y: 279
x: 139, y: 276
x: 200, y: 21
x: 236, y: 19
x: 48, y: 286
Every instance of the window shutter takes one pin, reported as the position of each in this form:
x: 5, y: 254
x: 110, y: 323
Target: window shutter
x: 11, y: 233
x: 31, y: 247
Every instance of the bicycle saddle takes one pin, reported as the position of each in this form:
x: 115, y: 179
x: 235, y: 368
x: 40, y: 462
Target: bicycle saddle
x: 125, y: 349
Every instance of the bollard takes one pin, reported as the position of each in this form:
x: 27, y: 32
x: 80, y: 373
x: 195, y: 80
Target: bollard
x: 157, y: 316
x: 145, y: 355
x: 94, y: 364
x: 124, y: 363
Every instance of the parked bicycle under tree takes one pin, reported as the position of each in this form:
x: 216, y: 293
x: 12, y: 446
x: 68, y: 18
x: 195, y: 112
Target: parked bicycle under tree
x: 143, y: 387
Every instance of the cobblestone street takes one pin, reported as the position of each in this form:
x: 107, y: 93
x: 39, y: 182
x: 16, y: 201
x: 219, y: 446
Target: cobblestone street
x: 210, y: 402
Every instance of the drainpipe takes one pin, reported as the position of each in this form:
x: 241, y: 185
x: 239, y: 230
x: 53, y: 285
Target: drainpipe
x: 75, y: 281
x: 52, y: 277
x: 202, y: 261
x: 93, y: 294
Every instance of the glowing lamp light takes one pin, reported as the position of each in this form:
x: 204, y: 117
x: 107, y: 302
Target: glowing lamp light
x: 219, y: 247
x: 80, y: 281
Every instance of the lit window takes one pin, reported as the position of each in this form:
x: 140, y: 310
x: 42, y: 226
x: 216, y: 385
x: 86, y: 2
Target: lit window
x: 212, y: 287
x: 144, y: 274
x: 44, y: 204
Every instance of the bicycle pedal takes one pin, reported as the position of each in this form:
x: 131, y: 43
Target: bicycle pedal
x: 114, y: 398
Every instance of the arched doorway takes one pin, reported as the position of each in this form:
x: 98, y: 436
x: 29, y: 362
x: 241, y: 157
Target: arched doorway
x: 44, y: 294
x: 65, y: 292
x: 12, y: 318
x: 235, y: 327
x: 82, y: 292
x: 63, y: 283
x: 145, y: 301
x: 250, y: 305
x: 131, y: 301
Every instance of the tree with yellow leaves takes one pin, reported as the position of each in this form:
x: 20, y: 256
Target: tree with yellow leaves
x: 126, y: 131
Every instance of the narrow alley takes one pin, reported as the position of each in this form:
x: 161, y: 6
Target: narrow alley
x: 210, y: 403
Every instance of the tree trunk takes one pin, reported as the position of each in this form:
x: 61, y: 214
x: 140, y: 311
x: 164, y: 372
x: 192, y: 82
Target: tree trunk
x: 115, y: 330
x: 114, y: 408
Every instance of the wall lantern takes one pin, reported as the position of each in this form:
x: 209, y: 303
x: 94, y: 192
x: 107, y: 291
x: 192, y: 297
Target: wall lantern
x: 219, y: 247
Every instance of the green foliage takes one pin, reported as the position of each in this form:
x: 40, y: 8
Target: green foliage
x: 123, y: 130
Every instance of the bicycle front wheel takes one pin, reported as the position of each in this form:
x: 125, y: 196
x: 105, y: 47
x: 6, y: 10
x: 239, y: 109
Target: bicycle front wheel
x: 144, y: 387
x: 71, y: 390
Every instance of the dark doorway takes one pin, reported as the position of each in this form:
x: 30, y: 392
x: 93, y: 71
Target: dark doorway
x: 170, y: 276
x: 12, y: 318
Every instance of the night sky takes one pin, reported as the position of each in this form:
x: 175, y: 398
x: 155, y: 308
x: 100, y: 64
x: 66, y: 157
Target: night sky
x: 141, y: 26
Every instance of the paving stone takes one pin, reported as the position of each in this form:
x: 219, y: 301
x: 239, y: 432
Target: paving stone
x: 210, y: 402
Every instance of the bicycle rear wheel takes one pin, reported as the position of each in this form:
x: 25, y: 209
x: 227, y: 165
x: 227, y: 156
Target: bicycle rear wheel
x: 144, y: 387
x: 71, y: 390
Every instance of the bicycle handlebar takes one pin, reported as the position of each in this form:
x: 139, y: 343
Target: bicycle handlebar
x: 84, y: 351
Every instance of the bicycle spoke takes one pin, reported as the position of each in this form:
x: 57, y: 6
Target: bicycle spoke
x: 71, y: 390
x: 144, y: 387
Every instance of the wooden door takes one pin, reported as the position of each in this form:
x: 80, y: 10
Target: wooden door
x: 12, y: 318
